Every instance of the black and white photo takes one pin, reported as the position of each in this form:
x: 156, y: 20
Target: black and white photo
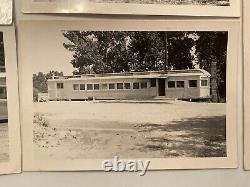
x: 4, y: 139
x: 129, y: 93
x: 10, y: 148
x: 228, y: 8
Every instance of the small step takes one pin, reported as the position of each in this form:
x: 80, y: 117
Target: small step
x: 164, y: 98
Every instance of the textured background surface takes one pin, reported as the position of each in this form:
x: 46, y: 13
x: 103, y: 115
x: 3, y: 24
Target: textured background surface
x: 176, y: 178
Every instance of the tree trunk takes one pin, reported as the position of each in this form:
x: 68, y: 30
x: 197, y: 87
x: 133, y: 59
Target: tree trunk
x: 214, y: 87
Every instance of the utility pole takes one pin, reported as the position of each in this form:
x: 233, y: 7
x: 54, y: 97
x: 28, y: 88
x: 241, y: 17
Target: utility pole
x: 166, y: 64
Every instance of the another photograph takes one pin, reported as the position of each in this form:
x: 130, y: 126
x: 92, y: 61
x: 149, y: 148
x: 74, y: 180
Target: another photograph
x: 4, y: 138
x: 170, y: 2
x: 10, y: 148
x: 6, y: 12
x: 227, y: 8
x: 132, y: 94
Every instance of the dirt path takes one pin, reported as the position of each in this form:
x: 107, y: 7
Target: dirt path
x: 103, y: 130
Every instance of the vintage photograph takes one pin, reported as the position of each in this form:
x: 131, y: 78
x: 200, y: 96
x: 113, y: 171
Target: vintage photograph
x: 6, y: 12
x: 129, y: 94
x: 10, y: 153
x: 170, y: 2
x: 132, y: 94
x: 227, y: 8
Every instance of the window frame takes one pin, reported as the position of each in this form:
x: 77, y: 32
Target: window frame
x: 59, y: 87
x: 109, y: 86
x: 102, y: 87
x: 91, y: 87
x: 80, y: 87
x: 141, y: 85
x: 204, y: 80
x: 174, y: 84
x: 120, y: 84
x: 4, y: 87
x: 124, y: 86
x: 193, y: 86
x: 136, y: 83
x: 155, y: 83
x: 76, y: 85
x: 95, y: 88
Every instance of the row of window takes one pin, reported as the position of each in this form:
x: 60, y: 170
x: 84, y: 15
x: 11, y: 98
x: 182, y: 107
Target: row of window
x: 191, y: 84
x: 111, y: 86
x: 134, y: 85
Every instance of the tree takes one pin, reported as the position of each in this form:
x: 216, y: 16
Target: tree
x: 40, y: 82
x: 212, y: 56
x: 97, y: 52
x: 108, y: 51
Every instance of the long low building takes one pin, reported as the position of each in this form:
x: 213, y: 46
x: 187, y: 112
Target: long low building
x: 178, y: 84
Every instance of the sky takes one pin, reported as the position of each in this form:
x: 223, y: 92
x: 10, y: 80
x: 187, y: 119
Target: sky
x: 50, y: 54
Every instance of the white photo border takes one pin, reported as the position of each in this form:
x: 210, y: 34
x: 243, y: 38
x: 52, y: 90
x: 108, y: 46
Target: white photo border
x: 31, y: 28
x: 79, y: 6
x: 14, y: 163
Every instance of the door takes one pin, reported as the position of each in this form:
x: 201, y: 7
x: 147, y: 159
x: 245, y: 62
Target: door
x: 161, y: 87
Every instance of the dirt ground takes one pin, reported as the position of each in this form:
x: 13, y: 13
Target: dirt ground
x: 172, y: 2
x: 77, y: 130
x: 4, y: 143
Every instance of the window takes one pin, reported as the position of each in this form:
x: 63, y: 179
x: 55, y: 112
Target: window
x: 59, y: 85
x: 111, y: 86
x: 171, y: 84
x: 3, y: 93
x: 136, y: 85
x: 104, y: 86
x: 89, y: 86
x: 82, y: 86
x: 96, y: 87
x: 76, y: 86
x: 192, y: 83
x: 153, y: 83
x: 143, y: 85
x: 119, y: 86
x: 127, y: 85
x: 204, y: 82
x: 180, y: 84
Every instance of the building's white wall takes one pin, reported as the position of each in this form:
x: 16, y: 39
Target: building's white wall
x: 181, y: 93
x: 68, y: 93
x: 186, y: 92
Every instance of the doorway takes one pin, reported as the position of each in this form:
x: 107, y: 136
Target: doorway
x: 161, y: 87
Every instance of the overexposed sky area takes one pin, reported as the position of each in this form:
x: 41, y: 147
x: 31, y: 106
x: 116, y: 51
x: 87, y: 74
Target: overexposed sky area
x: 50, y: 53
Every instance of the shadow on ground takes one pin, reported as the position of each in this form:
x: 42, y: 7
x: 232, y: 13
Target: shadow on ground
x: 193, y: 137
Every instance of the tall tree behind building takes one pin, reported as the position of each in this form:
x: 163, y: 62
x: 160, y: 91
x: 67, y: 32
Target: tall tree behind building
x: 211, y: 50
